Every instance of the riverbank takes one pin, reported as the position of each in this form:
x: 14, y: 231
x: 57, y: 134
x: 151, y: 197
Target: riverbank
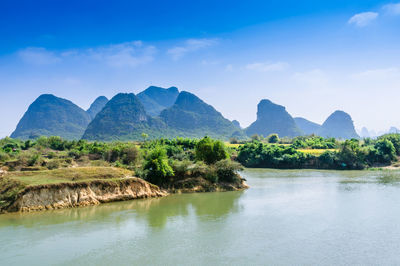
x: 83, y: 186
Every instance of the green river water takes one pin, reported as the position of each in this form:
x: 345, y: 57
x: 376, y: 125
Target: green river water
x: 286, y: 218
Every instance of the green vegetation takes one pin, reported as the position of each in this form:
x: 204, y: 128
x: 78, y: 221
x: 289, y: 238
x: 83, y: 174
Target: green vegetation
x: 331, y: 153
x: 211, y: 151
x: 49, y: 115
x: 68, y: 175
x: 162, y: 162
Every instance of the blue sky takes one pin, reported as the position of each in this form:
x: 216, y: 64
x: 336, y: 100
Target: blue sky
x: 312, y: 56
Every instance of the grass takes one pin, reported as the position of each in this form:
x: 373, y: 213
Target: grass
x: 316, y: 152
x: 232, y: 145
x: 67, y: 175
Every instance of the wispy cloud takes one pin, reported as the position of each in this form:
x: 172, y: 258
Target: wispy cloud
x: 38, y: 56
x: 267, y: 66
x: 189, y: 46
x: 128, y: 54
x: 378, y: 74
x: 363, y: 19
x: 392, y: 9
x: 315, y: 77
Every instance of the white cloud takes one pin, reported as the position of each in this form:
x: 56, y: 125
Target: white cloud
x: 383, y: 74
x: 267, y: 67
x: 392, y: 9
x: 128, y: 54
x: 190, y: 45
x: 315, y: 77
x: 38, y: 56
x: 363, y: 19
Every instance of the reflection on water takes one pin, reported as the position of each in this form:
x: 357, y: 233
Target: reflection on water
x: 155, y: 211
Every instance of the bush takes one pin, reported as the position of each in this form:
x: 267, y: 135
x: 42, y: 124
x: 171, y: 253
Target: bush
x: 157, y: 167
x: 131, y: 155
x: 182, y: 169
x: 385, y: 151
x: 227, y: 170
x: 4, y: 157
x: 210, y: 151
x: 33, y: 159
x: 53, y: 164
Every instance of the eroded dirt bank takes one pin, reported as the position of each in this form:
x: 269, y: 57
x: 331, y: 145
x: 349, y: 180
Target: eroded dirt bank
x: 66, y: 195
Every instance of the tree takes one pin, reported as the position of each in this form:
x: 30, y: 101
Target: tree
x: 385, y: 151
x: 273, y: 138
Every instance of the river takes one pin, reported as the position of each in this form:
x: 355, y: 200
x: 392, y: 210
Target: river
x: 302, y: 217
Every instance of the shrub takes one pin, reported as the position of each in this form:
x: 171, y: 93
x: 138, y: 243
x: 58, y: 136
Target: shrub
x: 157, y: 167
x: 182, y: 169
x: 385, y: 151
x: 227, y: 170
x: 33, y: 159
x: 4, y: 157
x: 131, y: 155
x: 210, y: 151
x: 53, y: 164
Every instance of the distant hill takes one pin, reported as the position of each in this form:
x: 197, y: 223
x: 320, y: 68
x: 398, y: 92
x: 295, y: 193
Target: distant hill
x: 96, y: 106
x: 307, y: 126
x: 191, y: 117
x: 338, y: 125
x: 393, y: 130
x: 273, y: 118
x: 364, y: 133
x: 49, y: 115
x: 155, y: 99
x: 236, y: 124
x: 123, y: 118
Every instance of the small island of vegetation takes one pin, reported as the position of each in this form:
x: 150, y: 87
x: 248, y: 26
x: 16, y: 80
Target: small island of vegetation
x: 51, y: 172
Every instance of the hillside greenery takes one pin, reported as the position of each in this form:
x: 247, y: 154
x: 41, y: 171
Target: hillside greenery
x: 49, y: 115
x: 155, y: 99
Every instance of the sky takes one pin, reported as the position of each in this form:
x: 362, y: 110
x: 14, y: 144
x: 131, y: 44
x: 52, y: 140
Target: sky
x: 313, y: 57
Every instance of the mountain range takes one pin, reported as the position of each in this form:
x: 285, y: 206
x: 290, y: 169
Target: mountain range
x: 169, y: 113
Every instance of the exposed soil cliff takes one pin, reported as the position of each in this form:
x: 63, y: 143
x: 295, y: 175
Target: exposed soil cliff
x: 198, y: 184
x: 65, y: 195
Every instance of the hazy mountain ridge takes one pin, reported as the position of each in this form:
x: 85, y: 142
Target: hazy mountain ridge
x: 96, y: 106
x: 338, y: 125
x: 155, y: 99
x: 125, y: 117
x: 308, y: 127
